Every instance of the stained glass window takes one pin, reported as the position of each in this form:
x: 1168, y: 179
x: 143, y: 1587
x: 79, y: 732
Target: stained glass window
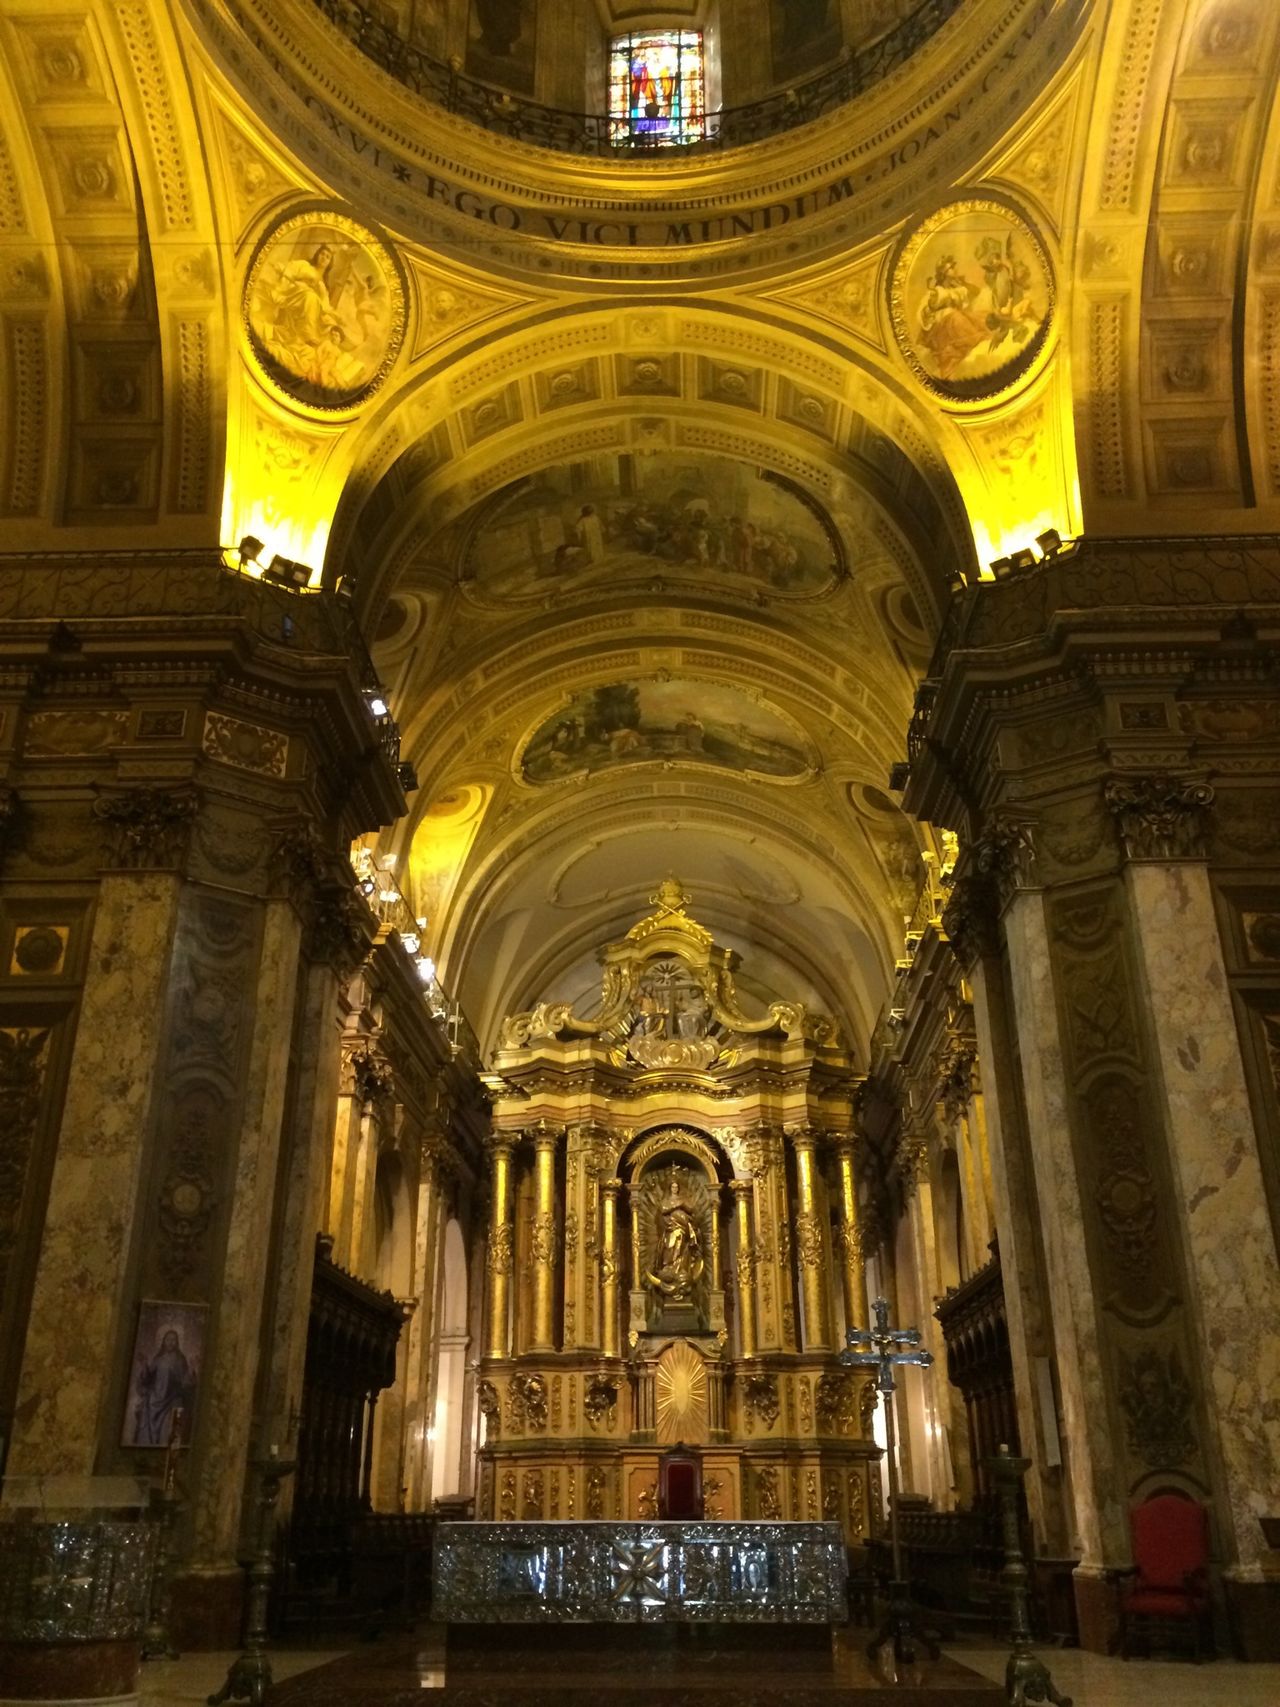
x: 656, y: 89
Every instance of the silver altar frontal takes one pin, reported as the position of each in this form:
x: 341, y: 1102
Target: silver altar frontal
x: 628, y: 1573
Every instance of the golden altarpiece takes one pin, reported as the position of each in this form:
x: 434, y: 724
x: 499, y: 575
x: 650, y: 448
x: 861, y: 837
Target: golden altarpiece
x: 674, y: 1251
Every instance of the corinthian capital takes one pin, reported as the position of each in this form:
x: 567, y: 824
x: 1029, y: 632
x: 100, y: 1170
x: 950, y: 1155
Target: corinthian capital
x: 1005, y: 853
x: 1159, y: 817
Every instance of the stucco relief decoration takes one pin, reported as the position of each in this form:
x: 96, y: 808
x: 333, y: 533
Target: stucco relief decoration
x: 972, y: 300
x: 324, y: 309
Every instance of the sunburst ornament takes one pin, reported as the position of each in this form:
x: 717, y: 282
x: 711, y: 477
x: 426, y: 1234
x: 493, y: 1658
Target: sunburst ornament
x: 681, y: 1388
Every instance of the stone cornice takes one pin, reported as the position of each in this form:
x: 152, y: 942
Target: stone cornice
x: 1127, y: 618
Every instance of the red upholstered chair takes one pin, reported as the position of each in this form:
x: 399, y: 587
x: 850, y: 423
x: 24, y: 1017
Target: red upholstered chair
x: 1170, y: 1570
x: 680, y: 1484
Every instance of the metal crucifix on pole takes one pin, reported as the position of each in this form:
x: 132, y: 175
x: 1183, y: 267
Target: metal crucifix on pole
x: 884, y: 1349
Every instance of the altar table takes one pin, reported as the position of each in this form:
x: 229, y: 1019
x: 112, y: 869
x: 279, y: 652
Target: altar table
x: 639, y: 1573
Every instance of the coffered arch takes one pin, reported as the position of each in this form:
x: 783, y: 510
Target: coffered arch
x: 1173, y: 315
x: 111, y: 292
x: 642, y: 377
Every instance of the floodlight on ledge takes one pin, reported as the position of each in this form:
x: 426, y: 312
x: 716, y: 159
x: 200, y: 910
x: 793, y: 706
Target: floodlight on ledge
x: 1050, y: 542
x: 1025, y: 558
x: 250, y: 550
x: 1002, y: 568
x: 426, y: 968
x: 287, y: 572
x: 412, y: 942
x: 377, y: 705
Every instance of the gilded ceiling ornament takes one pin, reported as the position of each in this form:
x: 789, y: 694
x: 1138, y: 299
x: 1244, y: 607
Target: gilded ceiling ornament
x: 324, y: 309
x: 972, y: 300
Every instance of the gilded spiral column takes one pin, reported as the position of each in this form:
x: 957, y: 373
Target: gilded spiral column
x: 542, y: 1238
x: 851, y: 1261
x: 609, y: 1268
x: 746, y: 1266
x: 499, y: 1256
x: 811, y: 1246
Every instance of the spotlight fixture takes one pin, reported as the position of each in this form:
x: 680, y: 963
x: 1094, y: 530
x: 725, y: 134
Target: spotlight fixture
x: 412, y: 942
x: 367, y: 886
x: 426, y: 968
x: 377, y: 705
x: 1024, y: 559
x: 1050, y: 542
x: 1002, y: 567
x: 250, y: 550
x: 288, y: 572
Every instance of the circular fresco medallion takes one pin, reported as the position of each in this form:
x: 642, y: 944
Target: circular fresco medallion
x: 972, y: 300
x: 324, y: 309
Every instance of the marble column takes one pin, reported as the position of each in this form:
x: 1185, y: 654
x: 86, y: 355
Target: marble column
x: 746, y: 1267
x: 914, y: 1162
x: 1015, y: 1212
x: 304, y: 1175
x: 348, y: 1124
x: 80, y: 1293
x: 498, y: 1258
x: 542, y: 1239
x: 609, y: 1268
x: 1229, y: 1247
x: 420, y: 1331
x: 229, y: 1374
x: 851, y: 1258
x: 812, y: 1245
x: 1097, y: 1482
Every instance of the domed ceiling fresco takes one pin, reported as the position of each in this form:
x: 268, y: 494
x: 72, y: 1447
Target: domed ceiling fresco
x: 619, y: 520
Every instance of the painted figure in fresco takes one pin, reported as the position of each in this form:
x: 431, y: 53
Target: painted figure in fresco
x: 949, y: 328
x: 166, y: 1383
x: 316, y: 316
x: 959, y: 316
x: 301, y: 314
x: 1007, y: 279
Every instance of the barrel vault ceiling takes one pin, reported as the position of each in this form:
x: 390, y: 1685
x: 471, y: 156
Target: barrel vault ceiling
x: 710, y: 673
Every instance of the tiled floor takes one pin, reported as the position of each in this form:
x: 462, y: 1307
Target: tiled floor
x: 1091, y: 1680
x: 176, y: 1683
